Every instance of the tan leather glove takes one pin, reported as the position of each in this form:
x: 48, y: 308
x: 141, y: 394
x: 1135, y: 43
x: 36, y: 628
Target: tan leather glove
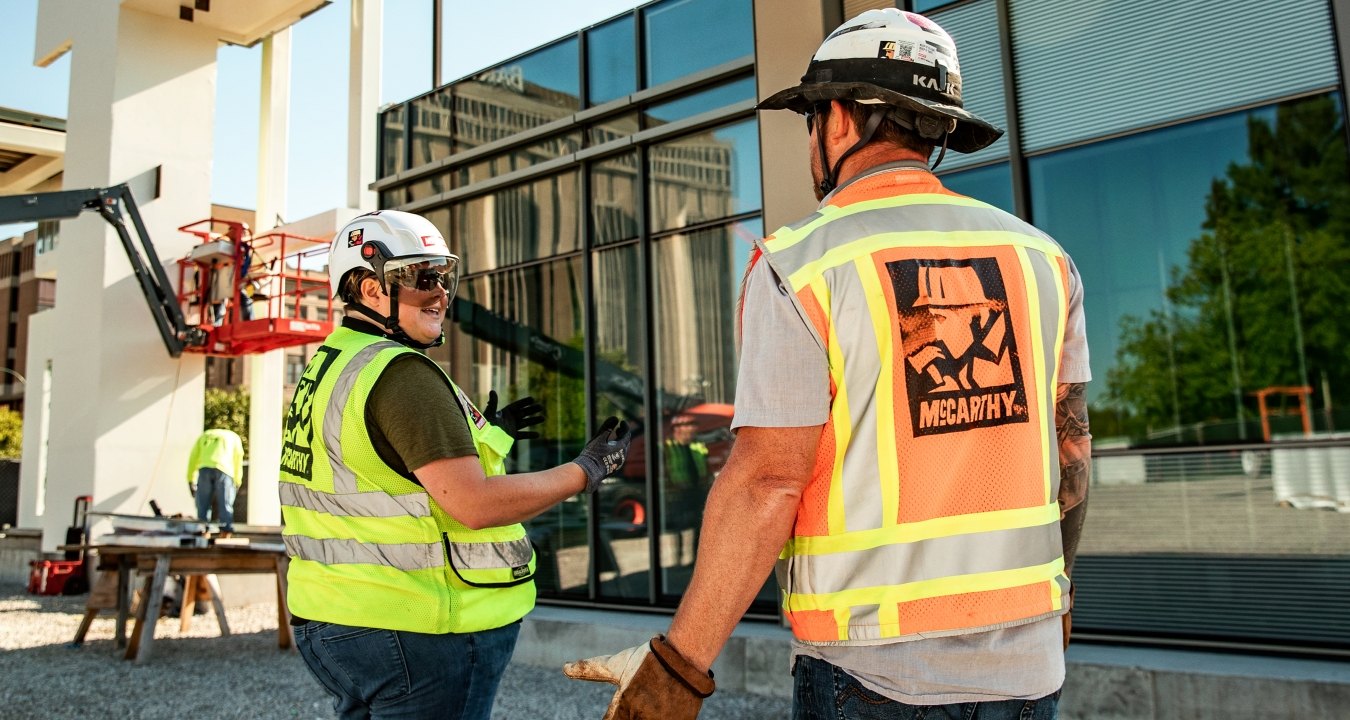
x: 655, y: 682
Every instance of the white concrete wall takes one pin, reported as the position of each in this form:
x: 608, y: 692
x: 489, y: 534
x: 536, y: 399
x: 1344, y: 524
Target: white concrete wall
x: 122, y: 414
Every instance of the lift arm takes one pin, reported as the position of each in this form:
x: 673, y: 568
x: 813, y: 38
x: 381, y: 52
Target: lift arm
x: 109, y: 203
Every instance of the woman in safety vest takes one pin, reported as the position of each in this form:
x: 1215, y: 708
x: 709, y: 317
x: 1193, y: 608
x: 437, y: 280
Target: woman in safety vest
x: 409, y: 568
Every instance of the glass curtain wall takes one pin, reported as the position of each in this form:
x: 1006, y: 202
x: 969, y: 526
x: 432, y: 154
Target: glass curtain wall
x: 607, y: 284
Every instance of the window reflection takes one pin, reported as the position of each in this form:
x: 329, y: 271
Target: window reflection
x: 519, y: 332
x: 699, y: 102
x: 611, y: 70
x: 696, y: 285
x: 391, y: 141
x: 428, y: 186
x: 614, y: 196
x: 612, y: 129
x: 685, y: 36
x: 517, y: 96
x: 526, y: 222
x: 622, y: 558
x: 510, y: 161
x: 1205, y: 252
x: 991, y: 184
x: 706, y: 176
x: 430, y: 127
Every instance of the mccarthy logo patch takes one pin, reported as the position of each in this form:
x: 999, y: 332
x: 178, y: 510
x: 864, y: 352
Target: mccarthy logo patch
x: 354, y: 237
x: 297, y: 447
x: 961, y: 365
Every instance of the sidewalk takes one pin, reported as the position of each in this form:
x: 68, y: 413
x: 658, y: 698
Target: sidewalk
x: 538, y: 693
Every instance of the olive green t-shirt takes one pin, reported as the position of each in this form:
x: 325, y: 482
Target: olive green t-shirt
x: 414, y: 418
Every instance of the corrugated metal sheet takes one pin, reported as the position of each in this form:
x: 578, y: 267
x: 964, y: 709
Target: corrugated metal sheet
x: 1092, y: 68
x: 974, y: 27
x: 855, y: 7
x: 1282, y: 600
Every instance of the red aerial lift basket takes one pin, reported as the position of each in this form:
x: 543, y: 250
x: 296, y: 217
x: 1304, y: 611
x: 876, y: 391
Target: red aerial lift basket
x: 254, y: 294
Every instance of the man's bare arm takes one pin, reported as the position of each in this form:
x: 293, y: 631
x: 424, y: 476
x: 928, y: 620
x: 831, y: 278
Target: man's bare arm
x: 748, y: 519
x: 1075, y: 464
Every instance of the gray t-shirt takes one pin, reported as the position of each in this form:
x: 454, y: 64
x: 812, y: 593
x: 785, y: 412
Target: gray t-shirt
x: 1024, y: 662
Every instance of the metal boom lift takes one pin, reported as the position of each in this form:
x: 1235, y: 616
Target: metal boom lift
x: 232, y: 331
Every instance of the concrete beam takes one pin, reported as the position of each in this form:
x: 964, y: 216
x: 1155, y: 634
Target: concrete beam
x: 32, y: 140
x: 30, y: 174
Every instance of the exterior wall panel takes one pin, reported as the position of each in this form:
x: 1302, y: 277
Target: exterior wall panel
x: 1093, y: 69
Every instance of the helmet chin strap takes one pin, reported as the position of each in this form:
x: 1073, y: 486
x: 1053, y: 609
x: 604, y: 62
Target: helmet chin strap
x: 390, y: 322
x: 831, y: 179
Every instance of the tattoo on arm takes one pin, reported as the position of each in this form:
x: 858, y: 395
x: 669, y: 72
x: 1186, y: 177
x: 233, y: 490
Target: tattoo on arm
x: 1075, y: 464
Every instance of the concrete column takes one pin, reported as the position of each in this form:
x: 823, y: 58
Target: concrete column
x: 787, y: 33
x: 123, y: 414
x: 363, y: 102
x: 265, y: 371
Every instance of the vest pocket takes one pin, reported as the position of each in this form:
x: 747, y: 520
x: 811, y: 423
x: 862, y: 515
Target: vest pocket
x: 491, y: 564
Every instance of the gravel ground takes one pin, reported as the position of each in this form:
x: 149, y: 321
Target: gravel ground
x: 201, y: 675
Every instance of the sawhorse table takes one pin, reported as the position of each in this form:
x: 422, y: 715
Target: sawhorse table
x: 156, y: 565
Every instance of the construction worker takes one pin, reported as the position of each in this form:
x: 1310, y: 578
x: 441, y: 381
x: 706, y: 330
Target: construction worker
x: 215, y: 472
x: 409, y: 569
x: 924, y: 532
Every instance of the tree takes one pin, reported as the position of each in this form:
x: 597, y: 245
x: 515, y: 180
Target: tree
x: 11, y: 433
x: 228, y: 409
x: 1276, y: 230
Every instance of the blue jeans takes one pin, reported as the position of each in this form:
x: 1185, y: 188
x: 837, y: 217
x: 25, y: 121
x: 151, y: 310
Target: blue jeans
x: 396, y: 674
x: 822, y: 691
x: 214, y: 486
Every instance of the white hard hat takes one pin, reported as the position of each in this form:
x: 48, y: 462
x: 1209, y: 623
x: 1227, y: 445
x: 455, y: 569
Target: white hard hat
x: 895, y: 58
x: 383, y: 241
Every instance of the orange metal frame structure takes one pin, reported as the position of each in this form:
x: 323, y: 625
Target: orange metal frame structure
x: 246, y: 292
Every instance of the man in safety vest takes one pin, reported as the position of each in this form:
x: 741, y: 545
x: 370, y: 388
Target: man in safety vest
x: 409, y: 569
x: 215, y: 472
x: 912, y: 442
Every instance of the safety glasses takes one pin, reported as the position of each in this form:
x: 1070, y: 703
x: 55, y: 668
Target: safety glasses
x: 424, y: 274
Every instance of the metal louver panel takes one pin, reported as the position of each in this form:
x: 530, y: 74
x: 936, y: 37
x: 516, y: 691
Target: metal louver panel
x: 1092, y: 68
x: 974, y: 27
x: 1290, y: 601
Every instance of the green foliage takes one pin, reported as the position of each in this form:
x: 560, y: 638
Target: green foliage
x: 1230, y: 326
x: 228, y: 409
x: 11, y: 433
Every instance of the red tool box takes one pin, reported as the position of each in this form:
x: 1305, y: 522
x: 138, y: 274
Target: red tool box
x: 48, y: 577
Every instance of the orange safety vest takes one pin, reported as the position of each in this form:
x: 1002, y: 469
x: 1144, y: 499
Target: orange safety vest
x: 932, y: 507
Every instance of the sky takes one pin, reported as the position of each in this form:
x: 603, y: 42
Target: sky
x: 476, y: 35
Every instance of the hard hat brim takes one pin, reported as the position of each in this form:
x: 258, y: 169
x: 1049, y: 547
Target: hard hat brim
x: 972, y: 133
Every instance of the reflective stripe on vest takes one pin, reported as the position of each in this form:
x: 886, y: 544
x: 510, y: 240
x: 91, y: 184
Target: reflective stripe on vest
x: 370, y: 547
x: 932, y: 508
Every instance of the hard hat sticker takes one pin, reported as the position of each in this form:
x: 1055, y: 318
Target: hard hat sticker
x: 962, y: 368
x: 354, y: 237
x: 896, y: 50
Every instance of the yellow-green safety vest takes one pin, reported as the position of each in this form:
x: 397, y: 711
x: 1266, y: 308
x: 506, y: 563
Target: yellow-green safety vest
x: 368, y: 546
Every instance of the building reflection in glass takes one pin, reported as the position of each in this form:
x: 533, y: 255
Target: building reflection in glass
x: 519, y: 332
x: 623, y: 558
x: 696, y: 285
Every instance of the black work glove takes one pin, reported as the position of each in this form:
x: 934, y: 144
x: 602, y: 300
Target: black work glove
x: 192, y: 488
x: 605, y: 453
x: 517, y: 416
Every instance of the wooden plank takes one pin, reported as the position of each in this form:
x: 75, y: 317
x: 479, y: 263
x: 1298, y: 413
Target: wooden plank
x: 218, y: 603
x: 150, y: 611
x: 188, y: 603
x: 214, y: 562
x: 285, y: 633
